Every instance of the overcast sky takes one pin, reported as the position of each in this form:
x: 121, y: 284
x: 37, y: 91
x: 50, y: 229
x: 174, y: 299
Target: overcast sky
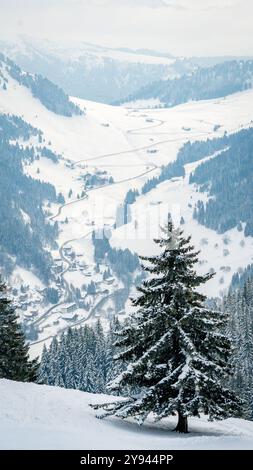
x: 182, y: 27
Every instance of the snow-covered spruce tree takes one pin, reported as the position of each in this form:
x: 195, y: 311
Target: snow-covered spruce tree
x: 113, y: 368
x: 44, y: 368
x: 79, y: 359
x: 100, y: 356
x: 14, y: 359
x: 175, y: 347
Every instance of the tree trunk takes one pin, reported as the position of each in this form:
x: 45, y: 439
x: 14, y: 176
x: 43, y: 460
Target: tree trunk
x: 182, y: 425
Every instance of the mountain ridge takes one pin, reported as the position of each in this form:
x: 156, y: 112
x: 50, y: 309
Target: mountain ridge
x: 217, y: 81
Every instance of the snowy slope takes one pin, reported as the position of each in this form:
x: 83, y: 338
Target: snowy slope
x: 130, y: 146
x: 42, y: 417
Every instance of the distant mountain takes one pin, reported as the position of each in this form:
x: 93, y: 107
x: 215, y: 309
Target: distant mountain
x: 148, y: 52
x: 204, y: 83
x: 93, y: 72
x: 102, y: 74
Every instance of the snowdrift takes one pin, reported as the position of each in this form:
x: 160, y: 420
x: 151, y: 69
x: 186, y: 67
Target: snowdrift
x: 42, y: 417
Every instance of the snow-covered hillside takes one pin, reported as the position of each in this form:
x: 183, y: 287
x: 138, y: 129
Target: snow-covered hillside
x: 163, y: 131
x: 218, y: 81
x: 101, y: 155
x: 43, y: 417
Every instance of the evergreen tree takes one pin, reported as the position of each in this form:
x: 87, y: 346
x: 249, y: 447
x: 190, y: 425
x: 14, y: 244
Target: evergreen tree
x: 113, y: 366
x: 69, y: 345
x: 80, y: 359
x: 60, y: 199
x: 100, y: 356
x: 176, y: 349
x: 43, y: 376
x: 91, y: 375
x: 14, y: 359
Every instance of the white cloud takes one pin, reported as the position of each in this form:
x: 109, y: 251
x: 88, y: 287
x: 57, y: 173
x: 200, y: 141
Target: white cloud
x: 186, y: 4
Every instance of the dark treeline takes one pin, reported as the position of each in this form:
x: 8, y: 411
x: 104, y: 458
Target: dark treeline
x: 194, y: 151
x: 228, y: 180
x: 15, y: 127
x: 23, y: 227
x: 123, y: 262
x: 172, y: 170
x: 48, y: 153
x: 82, y: 359
x: 239, y: 279
x: 205, y: 83
x: 50, y: 95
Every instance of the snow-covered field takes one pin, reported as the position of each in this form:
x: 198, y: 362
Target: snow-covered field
x: 42, y: 417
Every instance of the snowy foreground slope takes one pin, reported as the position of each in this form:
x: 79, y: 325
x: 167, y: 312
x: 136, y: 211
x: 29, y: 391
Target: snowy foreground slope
x: 41, y: 417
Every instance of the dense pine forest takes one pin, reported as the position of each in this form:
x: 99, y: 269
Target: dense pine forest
x: 239, y: 307
x: 123, y: 262
x: 50, y: 95
x: 82, y: 359
x: 239, y: 279
x: 19, y: 243
x: 227, y: 179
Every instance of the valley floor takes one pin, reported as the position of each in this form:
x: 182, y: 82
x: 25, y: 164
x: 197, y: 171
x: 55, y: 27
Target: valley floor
x: 41, y: 417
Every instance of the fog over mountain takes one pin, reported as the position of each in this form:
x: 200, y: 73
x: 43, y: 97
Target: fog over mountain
x: 181, y: 27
